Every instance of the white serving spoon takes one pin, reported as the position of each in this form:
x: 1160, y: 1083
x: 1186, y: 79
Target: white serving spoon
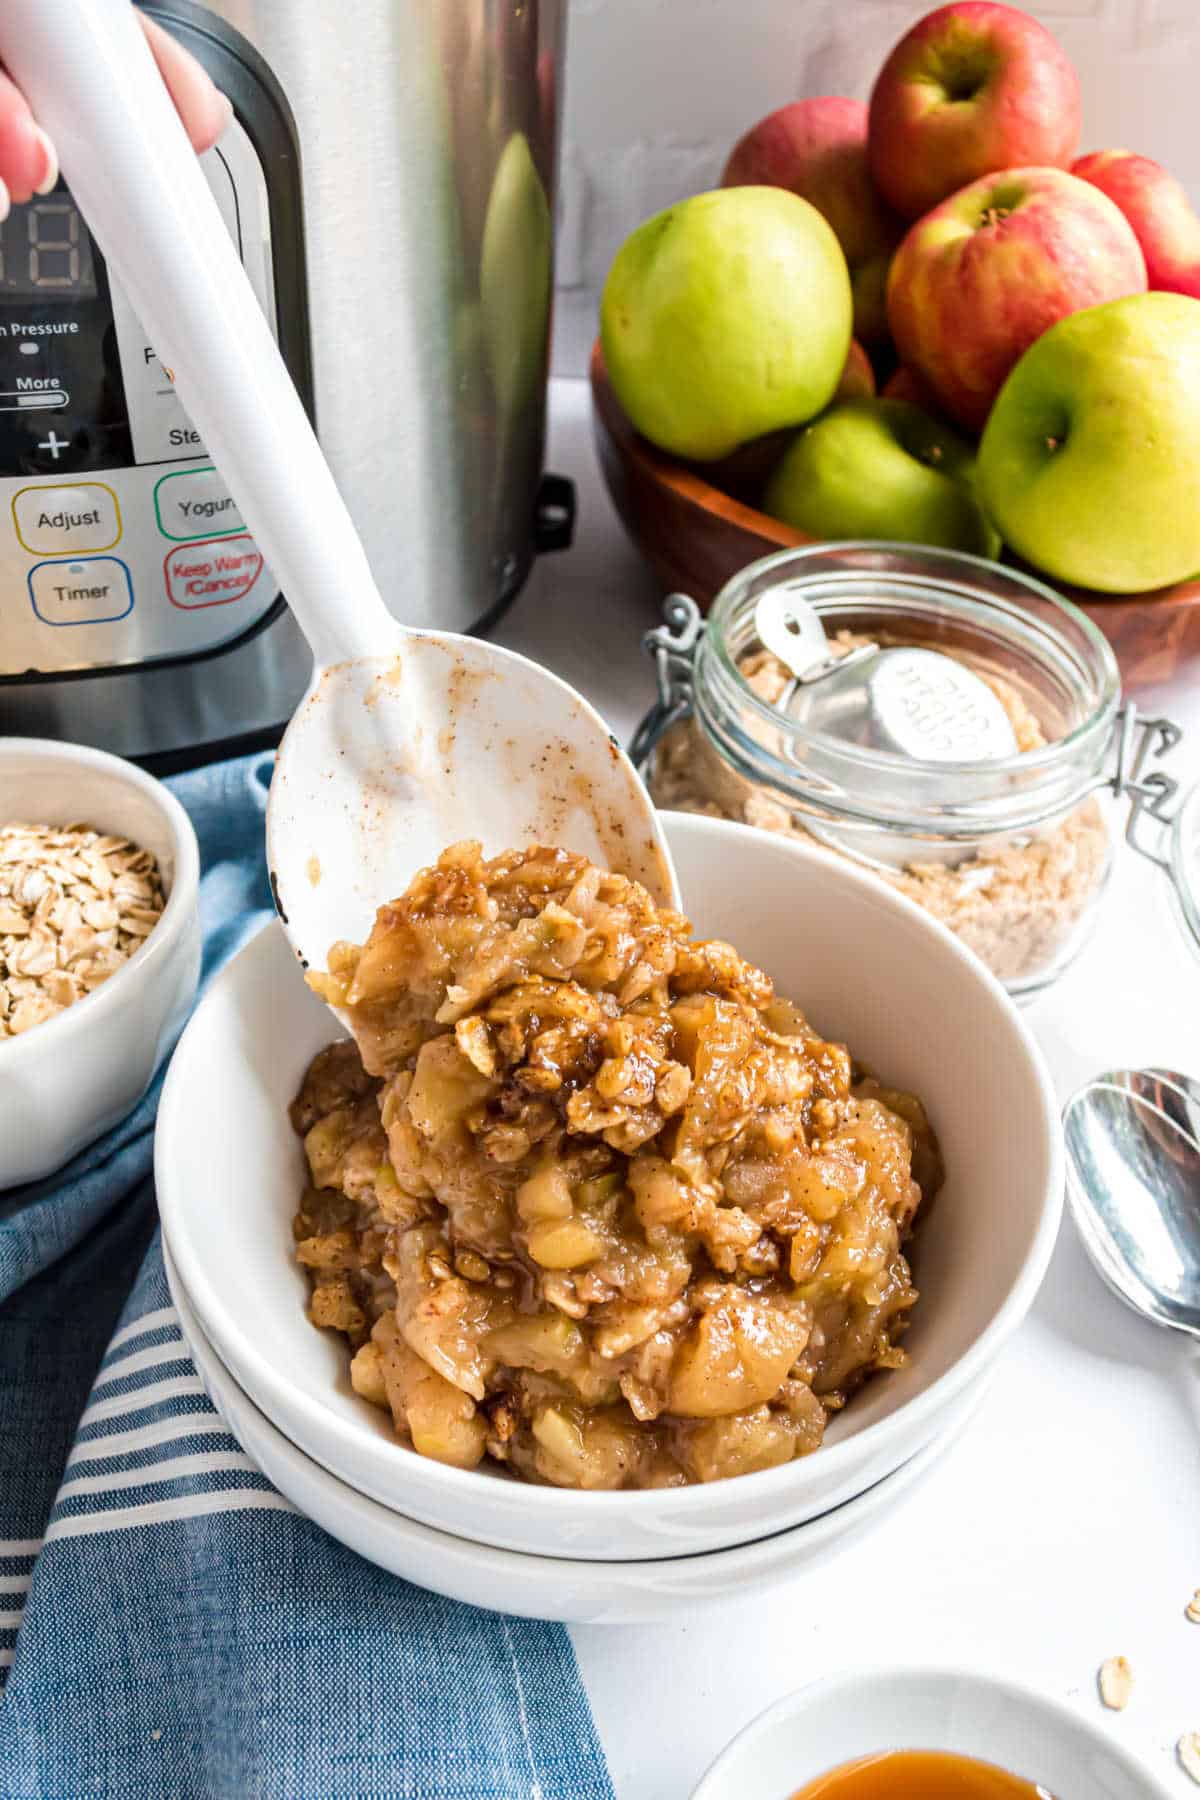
x: 406, y: 741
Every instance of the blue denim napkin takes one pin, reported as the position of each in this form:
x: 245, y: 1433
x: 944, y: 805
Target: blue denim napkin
x: 169, y: 1624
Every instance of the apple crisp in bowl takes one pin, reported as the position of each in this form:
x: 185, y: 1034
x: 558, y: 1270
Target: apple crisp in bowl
x: 586, y: 1197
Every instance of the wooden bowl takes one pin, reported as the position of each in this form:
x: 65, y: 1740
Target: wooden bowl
x: 695, y: 537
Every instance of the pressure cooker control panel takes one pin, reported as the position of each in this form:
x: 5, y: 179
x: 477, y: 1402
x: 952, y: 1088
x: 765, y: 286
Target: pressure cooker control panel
x: 119, y: 542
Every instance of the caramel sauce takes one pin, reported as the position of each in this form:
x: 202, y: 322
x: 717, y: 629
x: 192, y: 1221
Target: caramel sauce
x: 920, y: 1775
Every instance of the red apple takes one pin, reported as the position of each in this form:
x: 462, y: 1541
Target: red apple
x: 986, y: 272
x: 858, y: 377
x: 818, y: 149
x: 905, y: 384
x: 1159, y: 210
x: 972, y: 88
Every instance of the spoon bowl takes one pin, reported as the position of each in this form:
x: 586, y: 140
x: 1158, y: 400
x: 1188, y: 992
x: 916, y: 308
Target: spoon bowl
x: 1133, y: 1183
x: 405, y: 741
x: 389, y: 759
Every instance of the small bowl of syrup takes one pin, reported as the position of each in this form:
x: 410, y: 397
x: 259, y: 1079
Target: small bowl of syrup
x: 925, y: 1734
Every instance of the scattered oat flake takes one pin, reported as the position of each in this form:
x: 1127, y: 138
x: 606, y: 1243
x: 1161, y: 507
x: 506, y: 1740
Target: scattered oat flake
x: 1193, y: 1608
x: 1116, y: 1683
x: 1188, y: 1752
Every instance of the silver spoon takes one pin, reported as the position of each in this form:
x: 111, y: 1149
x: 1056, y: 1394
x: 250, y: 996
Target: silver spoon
x: 1133, y: 1183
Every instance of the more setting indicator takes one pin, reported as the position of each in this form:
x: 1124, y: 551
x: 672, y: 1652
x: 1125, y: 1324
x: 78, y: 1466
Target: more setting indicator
x: 45, y: 398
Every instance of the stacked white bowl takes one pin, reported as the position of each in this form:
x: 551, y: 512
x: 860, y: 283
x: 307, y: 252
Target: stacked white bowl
x: 868, y: 968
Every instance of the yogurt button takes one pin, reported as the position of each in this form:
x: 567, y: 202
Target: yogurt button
x: 194, y: 503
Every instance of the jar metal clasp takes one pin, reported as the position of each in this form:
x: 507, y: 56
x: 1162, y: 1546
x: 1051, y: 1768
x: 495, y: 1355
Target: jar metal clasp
x: 1150, y: 792
x: 673, y: 648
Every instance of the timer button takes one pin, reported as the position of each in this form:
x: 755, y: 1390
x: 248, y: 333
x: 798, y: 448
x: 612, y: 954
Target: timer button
x: 195, y: 503
x: 55, y: 521
x: 93, y: 591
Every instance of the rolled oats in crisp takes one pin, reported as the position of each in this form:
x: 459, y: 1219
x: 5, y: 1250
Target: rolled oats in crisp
x: 74, y: 905
x: 586, y: 1196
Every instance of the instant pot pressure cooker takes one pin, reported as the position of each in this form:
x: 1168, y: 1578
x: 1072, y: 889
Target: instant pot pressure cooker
x: 389, y: 180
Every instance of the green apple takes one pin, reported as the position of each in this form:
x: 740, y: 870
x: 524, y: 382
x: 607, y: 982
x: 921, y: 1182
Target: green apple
x: 1090, y: 461
x: 726, y: 317
x: 881, y: 469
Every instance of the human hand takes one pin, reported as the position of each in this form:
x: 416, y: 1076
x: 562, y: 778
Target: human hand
x: 29, y: 161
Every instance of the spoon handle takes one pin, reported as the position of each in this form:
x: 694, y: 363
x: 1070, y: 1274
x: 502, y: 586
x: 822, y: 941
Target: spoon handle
x: 86, y: 70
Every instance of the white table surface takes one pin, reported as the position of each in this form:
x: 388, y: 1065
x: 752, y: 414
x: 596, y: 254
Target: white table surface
x: 1064, y: 1526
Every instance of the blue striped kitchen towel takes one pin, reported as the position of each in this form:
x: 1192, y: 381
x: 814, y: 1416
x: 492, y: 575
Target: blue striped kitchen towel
x: 169, y: 1625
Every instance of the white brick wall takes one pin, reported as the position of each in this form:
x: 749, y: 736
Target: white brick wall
x: 658, y: 91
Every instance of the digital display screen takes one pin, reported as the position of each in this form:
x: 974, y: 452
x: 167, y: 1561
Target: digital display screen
x: 46, y: 252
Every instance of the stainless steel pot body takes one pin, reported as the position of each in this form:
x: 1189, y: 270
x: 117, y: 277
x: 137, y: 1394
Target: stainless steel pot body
x: 428, y: 136
x: 397, y: 162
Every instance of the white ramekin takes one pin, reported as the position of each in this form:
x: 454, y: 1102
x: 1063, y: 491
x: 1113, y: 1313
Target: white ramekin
x: 867, y: 1712
x: 68, y: 1080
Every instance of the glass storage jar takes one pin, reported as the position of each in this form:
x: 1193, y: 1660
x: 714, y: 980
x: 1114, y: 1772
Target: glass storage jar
x: 1012, y: 852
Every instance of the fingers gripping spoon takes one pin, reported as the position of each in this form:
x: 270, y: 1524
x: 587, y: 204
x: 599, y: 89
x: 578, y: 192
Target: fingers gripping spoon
x: 406, y: 741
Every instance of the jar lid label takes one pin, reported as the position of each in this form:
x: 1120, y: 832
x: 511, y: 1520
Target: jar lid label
x: 906, y: 700
x: 929, y: 706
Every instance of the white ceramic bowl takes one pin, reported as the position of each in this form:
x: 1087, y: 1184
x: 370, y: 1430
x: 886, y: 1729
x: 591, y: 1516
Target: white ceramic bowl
x: 867, y: 966
x: 541, y: 1587
x: 68, y: 1080
x: 872, y: 1710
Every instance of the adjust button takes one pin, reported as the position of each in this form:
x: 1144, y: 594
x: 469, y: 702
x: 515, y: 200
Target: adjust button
x: 93, y: 591
x: 195, y: 503
x: 54, y: 521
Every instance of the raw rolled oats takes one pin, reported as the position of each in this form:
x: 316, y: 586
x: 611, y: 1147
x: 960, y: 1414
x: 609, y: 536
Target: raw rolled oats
x: 1188, y: 1752
x: 74, y: 905
x: 1116, y: 1683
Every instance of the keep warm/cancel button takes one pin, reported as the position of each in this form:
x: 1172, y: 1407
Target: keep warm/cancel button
x: 212, y: 573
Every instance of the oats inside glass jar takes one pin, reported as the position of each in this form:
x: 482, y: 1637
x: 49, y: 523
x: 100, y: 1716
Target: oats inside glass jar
x: 586, y: 1197
x: 1017, y: 901
x: 990, y: 811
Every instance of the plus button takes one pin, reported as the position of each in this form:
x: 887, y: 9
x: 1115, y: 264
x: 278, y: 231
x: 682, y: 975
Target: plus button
x: 53, y: 443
